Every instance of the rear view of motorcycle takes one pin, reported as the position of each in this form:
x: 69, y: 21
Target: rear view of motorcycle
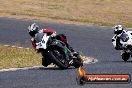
x: 55, y: 51
x: 126, y: 45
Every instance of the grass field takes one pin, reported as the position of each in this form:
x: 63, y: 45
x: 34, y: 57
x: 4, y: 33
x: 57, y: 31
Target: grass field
x: 15, y: 57
x: 98, y: 12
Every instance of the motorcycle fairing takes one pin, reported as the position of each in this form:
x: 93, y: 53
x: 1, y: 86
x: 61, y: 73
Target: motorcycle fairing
x: 41, y: 40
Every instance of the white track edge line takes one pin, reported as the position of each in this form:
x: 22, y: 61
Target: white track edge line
x: 24, y: 68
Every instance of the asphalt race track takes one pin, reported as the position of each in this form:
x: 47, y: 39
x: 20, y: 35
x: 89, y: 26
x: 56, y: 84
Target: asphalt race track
x: 92, y: 41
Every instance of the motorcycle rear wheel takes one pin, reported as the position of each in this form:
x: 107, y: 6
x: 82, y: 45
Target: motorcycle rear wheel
x: 77, y: 62
x: 125, y: 56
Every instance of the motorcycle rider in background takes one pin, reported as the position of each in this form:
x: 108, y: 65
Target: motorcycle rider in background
x: 118, y: 32
x: 34, y: 29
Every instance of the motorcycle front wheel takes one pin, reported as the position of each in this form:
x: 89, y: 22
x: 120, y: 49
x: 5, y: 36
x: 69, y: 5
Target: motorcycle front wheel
x: 58, y: 57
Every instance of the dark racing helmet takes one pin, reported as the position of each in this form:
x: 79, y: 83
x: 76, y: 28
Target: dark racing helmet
x: 33, y: 29
x: 118, y: 29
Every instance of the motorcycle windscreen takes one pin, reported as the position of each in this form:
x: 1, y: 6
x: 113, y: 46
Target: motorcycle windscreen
x: 41, y: 40
x: 39, y: 37
x: 124, y: 37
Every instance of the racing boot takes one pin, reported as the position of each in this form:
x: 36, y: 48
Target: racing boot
x: 74, y: 54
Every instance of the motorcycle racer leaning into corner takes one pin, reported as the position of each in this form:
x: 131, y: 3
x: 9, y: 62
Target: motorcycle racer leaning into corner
x: 116, y: 40
x: 33, y: 29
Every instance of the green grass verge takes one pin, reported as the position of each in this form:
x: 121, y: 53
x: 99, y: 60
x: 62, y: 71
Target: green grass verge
x: 15, y: 57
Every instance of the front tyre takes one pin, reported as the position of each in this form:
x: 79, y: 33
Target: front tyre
x: 58, y: 57
x: 125, y: 56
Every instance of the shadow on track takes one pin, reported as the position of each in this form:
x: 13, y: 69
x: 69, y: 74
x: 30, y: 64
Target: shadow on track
x: 116, y: 62
x: 51, y: 68
x: 121, y: 61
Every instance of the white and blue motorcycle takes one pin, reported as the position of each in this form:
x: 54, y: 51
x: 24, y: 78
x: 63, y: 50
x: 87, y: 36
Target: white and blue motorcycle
x: 126, y: 44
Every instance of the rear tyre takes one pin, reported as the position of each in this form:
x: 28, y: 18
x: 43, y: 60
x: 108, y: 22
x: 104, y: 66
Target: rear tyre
x: 58, y: 57
x: 77, y: 61
x: 125, y: 56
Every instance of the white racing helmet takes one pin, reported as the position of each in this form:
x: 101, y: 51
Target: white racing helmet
x: 118, y: 29
x: 33, y: 29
